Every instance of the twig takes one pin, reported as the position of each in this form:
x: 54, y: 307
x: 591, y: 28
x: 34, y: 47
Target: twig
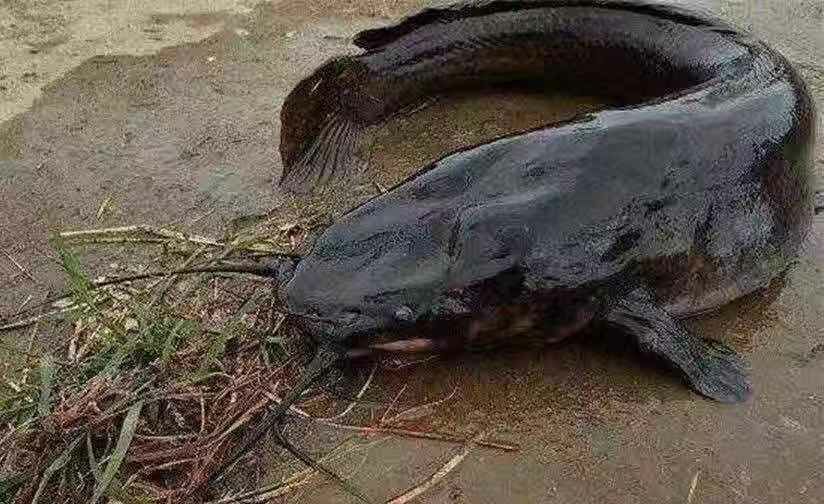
x: 355, y: 400
x: 379, y: 187
x: 104, y: 206
x: 392, y: 404
x: 33, y: 333
x: 170, y: 280
x: 166, y: 439
x: 19, y: 266
x: 93, y: 234
x: 224, y: 253
x: 440, y: 474
x: 435, y: 436
x: 294, y: 409
x: 23, y: 304
x: 693, y: 485
x: 422, y: 406
x: 202, y: 414
x: 97, y: 284
x: 33, y: 320
x: 416, y: 362
x: 167, y: 465
x: 151, y: 234
x: 165, y: 236
x: 244, y: 418
x: 270, y: 492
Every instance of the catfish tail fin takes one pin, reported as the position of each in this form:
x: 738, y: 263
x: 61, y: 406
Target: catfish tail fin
x: 320, y: 126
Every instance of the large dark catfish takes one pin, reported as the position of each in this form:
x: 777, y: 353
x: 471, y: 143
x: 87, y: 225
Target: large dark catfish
x: 634, y: 217
x: 697, y: 195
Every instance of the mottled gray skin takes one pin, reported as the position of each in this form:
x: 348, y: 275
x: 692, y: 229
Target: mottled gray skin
x: 675, y: 194
x: 631, y: 216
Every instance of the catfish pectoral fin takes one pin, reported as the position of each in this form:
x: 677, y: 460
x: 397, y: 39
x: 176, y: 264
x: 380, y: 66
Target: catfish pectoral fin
x: 708, y: 367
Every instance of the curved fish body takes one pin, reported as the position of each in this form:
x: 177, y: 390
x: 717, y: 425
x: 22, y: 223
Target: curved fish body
x: 634, y: 217
x: 634, y: 52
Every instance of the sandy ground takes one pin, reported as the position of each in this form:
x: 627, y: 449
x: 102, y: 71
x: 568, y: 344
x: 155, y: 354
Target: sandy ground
x: 168, y: 112
x: 41, y: 40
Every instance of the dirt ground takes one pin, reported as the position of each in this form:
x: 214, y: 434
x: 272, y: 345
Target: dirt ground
x: 167, y: 112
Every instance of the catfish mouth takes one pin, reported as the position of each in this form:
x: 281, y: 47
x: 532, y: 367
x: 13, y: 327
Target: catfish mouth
x: 355, y: 333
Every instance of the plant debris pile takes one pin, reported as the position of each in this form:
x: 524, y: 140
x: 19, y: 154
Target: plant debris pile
x: 153, y: 389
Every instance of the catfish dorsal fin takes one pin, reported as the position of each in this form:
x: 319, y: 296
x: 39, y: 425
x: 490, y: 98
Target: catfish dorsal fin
x: 319, y: 132
x: 376, y: 38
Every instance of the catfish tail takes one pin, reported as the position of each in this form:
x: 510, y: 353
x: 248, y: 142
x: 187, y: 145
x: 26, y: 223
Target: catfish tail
x: 321, y: 121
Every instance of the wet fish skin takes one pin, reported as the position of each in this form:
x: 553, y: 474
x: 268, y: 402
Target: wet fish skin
x: 596, y: 47
x: 692, y: 197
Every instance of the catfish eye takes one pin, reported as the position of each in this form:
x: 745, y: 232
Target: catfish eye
x: 404, y: 314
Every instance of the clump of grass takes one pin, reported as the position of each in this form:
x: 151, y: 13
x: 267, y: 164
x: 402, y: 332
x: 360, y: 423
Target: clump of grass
x: 152, y: 386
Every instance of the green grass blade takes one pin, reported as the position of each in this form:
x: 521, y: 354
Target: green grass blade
x: 46, y: 383
x: 123, y: 442
x: 9, y: 487
x: 79, y: 283
x: 55, y: 466
x: 170, y: 341
x: 92, y: 460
